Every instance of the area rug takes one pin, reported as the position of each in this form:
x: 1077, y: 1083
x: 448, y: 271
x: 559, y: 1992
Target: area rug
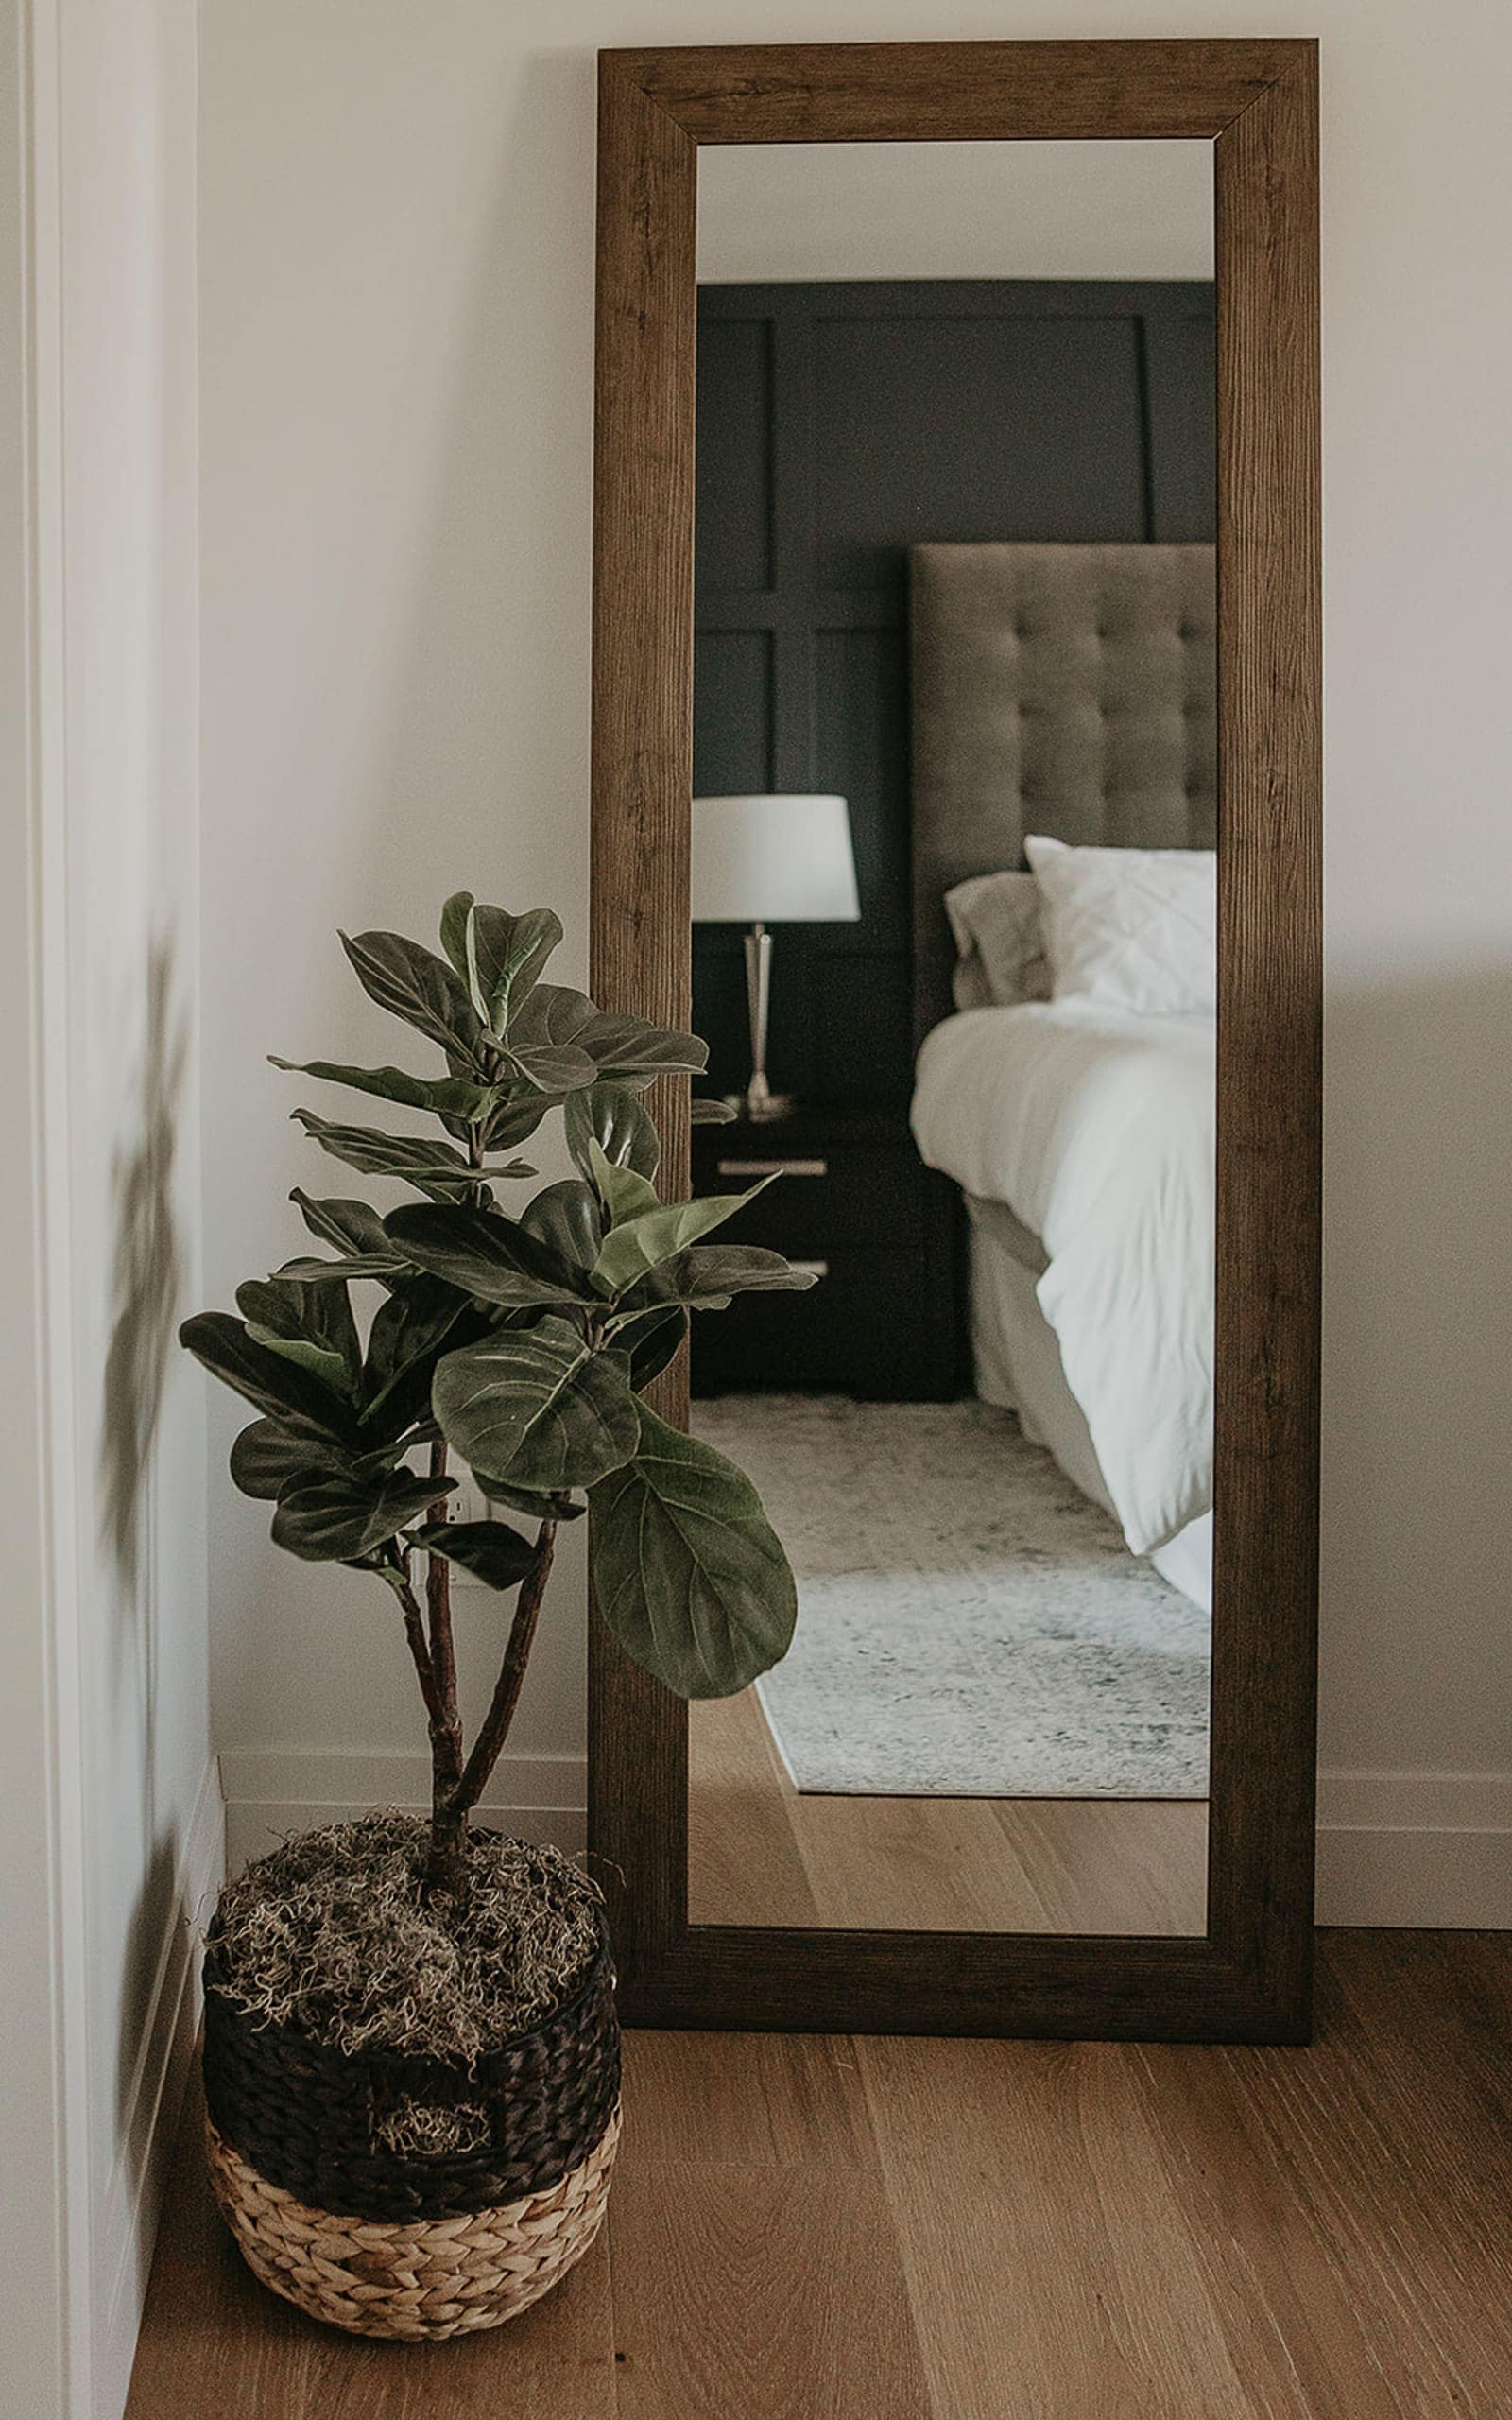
x: 969, y: 1624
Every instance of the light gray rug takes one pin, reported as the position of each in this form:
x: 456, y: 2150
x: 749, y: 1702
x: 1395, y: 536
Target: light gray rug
x: 969, y: 1624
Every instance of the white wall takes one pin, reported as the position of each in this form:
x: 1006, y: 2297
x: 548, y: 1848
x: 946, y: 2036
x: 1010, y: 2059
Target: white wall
x: 780, y: 212
x: 397, y: 213
x: 107, y: 1473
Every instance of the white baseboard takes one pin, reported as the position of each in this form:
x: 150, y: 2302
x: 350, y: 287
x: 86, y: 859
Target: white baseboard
x: 273, y: 1791
x: 133, y: 2198
x: 1415, y: 1849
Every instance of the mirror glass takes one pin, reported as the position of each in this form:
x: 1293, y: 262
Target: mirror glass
x: 954, y: 952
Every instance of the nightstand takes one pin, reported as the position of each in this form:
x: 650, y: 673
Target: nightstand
x: 854, y: 1202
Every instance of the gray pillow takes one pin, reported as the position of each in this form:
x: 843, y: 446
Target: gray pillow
x: 999, y: 941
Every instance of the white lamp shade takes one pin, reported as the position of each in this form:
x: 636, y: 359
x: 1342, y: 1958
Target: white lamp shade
x: 774, y: 860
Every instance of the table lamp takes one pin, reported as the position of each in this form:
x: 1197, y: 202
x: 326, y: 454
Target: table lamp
x: 770, y: 860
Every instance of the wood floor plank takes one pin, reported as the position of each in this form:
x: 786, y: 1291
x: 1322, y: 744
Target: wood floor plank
x: 1112, y: 1864
x: 1051, y: 2269
x: 762, y: 2294
x: 746, y: 2100
x: 743, y: 1865
x: 756, y: 2264
x: 1389, y: 2196
x: 919, y: 1864
x: 555, y: 2361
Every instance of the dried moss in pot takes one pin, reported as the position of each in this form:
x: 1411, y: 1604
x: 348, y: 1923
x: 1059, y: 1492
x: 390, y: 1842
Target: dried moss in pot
x: 330, y: 1935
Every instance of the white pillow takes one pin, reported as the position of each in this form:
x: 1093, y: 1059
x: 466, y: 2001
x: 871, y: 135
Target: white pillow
x: 1131, y: 928
x: 1000, y: 947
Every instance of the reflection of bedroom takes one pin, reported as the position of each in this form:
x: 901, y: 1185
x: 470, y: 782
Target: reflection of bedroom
x: 955, y: 568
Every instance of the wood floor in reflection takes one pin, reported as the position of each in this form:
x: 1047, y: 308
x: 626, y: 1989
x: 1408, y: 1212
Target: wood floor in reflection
x: 761, y: 1853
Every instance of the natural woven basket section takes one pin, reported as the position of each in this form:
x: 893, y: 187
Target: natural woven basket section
x: 310, y: 2119
x: 417, y: 2280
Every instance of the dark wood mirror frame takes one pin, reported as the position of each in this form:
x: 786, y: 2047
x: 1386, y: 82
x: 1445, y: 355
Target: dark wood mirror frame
x: 1249, y: 1979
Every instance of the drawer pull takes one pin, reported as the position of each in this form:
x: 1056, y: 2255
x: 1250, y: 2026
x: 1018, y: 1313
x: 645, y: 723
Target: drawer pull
x: 809, y: 1268
x: 774, y: 1167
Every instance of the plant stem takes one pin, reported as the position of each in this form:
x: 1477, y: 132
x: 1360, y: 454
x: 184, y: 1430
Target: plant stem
x: 489, y: 1741
x: 446, y: 1726
x: 457, y: 1788
x: 414, y: 1634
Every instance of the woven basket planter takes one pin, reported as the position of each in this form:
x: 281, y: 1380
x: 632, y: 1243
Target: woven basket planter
x: 415, y: 2245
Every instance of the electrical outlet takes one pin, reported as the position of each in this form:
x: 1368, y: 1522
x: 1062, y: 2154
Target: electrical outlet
x: 467, y: 1502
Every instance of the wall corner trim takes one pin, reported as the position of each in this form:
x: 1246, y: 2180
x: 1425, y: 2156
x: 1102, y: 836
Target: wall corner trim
x: 154, y: 2098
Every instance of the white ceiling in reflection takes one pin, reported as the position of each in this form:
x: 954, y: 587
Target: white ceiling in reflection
x: 819, y: 210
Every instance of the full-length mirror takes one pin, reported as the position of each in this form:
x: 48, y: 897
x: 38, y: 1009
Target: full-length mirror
x: 955, y: 950
x: 957, y: 776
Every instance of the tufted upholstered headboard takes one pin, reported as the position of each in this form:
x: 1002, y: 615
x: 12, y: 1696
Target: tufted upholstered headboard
x: 1069, y: 691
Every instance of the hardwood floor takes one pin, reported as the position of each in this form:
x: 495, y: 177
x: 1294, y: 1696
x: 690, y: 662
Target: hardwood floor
x: 805, y: 2228
x: 761, y: 1853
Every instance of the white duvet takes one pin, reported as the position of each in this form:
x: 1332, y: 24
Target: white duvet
x: 1095, y: 1126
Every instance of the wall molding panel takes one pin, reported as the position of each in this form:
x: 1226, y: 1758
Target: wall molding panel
x: 270, y: 1792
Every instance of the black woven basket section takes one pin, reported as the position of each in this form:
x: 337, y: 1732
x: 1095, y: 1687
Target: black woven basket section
x: 305, y: 2116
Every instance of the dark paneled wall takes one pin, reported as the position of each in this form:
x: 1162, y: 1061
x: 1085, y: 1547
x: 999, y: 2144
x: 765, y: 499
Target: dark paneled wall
x: 837, y: 425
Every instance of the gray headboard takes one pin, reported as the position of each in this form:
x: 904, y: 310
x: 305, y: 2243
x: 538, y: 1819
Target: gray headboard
x: 1069, y: 691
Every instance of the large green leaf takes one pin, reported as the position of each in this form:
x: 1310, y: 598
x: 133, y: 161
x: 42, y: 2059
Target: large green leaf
x: 650, y: 1325
x: 312, y: 1325
x: 455, y: 916
x: 273, y: 1455
x: 486, y: 1254
x: 415, y: 984
x: 708, y: 1275
x: 545, y: 1042
x: 537, y: 1408
x: 687, y: 1570
x: 491, y: 1550
x: 566, y: 1218
x: 353, y: 1227
x: 561, y: 1042
x: 624, y: 1194
x: 408, y: 1337
x: 629, y: 1047
x: 429, y: 1165
x: 268, y: 1379
x: 541, y: 1505
x: 653, y: 1340
x: 611, y: 1116
x: 336, y: 1272
x: 504, y: 957
x: 336, y: 1520
x: 657, y: 1235
x: 520, y: 1109
x: 444, y: 1096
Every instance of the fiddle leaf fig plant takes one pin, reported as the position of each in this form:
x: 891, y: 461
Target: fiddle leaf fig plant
x: 516, y: 1343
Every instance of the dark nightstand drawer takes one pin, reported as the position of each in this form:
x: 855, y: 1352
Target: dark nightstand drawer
x: 853, y: 1196
x: 839, y: 1194
x: 867, y: 1328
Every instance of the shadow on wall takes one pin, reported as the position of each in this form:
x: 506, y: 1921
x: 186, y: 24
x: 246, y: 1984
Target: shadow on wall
x: 146, y: 1273
x: 1418, y: 1371
x: 147, y: 1269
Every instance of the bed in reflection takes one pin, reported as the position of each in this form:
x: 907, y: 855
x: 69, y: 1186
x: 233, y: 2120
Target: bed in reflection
x: 1065, y: 713
x: 1082, y: 1137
